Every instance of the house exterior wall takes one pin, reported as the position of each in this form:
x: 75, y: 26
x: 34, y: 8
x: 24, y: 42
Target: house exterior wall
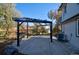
x: 69, y: 23
x: 71, y: 10
x: 70, y: 30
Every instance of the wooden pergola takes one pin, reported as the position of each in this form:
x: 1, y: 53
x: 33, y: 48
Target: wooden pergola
x: 25, y: 19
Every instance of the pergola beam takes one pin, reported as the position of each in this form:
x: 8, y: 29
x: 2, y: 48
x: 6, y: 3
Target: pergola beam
x: 20, y: 23
x: 31, y: 20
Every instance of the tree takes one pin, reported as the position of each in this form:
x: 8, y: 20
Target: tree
x: 35, y: 28
x: 55, y: 15
x: 7, y: 10
x: 39, y: 29
x: 51, y: 14
x: 55, y: 30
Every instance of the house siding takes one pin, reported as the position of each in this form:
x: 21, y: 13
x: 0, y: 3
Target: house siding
x: 69, y: 24
x: 71, y: 10
x: 69, y: 28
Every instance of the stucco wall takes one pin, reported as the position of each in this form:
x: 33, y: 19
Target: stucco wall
x: 70, y: 30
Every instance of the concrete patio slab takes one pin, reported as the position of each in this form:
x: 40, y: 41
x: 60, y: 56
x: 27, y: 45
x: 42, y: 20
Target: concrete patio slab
x: 41, y: 45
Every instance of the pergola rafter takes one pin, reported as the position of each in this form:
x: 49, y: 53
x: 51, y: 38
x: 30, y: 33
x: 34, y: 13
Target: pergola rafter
x: 25, y: 19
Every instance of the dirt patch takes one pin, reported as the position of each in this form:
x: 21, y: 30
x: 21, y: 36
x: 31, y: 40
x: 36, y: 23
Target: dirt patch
x: 4, y: 43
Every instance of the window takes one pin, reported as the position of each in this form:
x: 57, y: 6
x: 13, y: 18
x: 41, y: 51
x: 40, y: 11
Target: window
x: 77, y: 27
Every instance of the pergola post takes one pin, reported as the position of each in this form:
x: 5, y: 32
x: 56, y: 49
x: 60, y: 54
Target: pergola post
x: 27, y: 29
x: 18, y: 42
x: 51, y: 31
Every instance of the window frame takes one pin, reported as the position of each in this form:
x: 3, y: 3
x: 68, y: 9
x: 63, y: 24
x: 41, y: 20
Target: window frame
x: 77, y: 29
x: 65, y: 8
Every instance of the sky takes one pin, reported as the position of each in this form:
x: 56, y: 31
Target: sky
x: 36, y: 10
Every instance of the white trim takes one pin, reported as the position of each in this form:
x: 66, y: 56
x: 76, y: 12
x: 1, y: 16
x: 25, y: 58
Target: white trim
x: 77, y: 27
